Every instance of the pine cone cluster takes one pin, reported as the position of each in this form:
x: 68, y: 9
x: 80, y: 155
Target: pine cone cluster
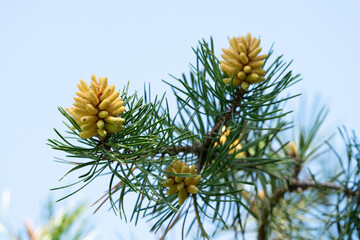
x: 96, y: 108
x: 183, y: 185
x: 243, y: 59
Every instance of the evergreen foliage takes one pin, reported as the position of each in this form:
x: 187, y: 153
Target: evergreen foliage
x: 251, y: 178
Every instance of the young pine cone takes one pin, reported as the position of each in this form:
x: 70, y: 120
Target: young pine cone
x: 183, y: 185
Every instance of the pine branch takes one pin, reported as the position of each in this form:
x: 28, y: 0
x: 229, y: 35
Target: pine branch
x: 223, y: 119
x: 248, y: 159
x: 293, y: 185
x: 274, y: 200
x: 195, y: 149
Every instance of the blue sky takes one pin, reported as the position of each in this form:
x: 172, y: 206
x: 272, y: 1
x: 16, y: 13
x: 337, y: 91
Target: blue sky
x: 47, y: 46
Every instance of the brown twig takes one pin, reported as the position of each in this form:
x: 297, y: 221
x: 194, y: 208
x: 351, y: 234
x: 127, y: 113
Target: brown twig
x: 198, y: 218
x: 295, y: 184
x: 195, y: 149
x: 214, y: 131
x: 30, y: 230
x: 112, y: 191
x: 172, y: 224
x: 274, y: 200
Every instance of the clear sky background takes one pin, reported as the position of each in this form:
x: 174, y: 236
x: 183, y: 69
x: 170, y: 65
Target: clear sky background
x: 47, y: 46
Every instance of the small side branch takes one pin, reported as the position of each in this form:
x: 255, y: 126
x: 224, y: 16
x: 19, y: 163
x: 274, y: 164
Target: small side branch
x: 295, y: 184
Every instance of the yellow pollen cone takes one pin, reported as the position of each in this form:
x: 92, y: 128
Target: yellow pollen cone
x: 227, y: 132
x: 183, y: 185
x: 101, y: 132
x: 192, y: 169
x: 94, y: 87
x: 180, y: 186
x: 243, y: 58
x: 178, y: 179
x: 100, y: 124
x: 103, y: 114
x: 83, y: 95
x: 192, y: 189
x: 255, y: 44
x: 82, y: 100
x: 252, y: 77
x: 88, y: 133
x: 89, y: 119
x: 80, y: 111
x: 247, y: 69
x: 222, y: 139
x: 93, y: 98
x: 172, y: 190
x: 256, y: 64
x: 79, y: 105
x: 115, y: 120
x: 292, y: 149
x: 104, y: 104
x: 112, y: 128
x: 168, y: 183
x: 95, y: 103
x: 260, y: 57
x: 185, y: 169
x: 177, y: 165
x: 84, y: 85
x: 105, y: 94
x: 243, y: 52
x: 242, y: 48
x: 259, y: 71
x: 103, y: 83
x: 242, y: 75
x: 171, y: 170
x: 234, y: 44
x: 245, y: 85
x: 91, y: 109
x: 244, y: 42
x: 113, y: 96
x: 254, y: 52
x: 248, y: 38
x: 114, y: 107
x: 188, y: 180
x: 81, y: 88
x: 196, y: 180
x: 182, y: 196
x: 261, y: 194
x: 88, y: 126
